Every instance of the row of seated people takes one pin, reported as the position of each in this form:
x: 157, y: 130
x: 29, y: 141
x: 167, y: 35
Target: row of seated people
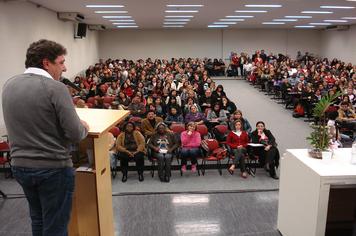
x: 162, y: 142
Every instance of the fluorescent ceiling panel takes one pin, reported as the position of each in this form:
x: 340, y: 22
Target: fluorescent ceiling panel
x: 218, y: 26
x: 299, y: 17
x: 337, y: 21
x: 110, y: 12
x: 239, y: 16
x: 181, y: 11
x: 185, y: 5
x: 250, y: 11
x: 320, y: 24
x: 266, y: 5
x: 117, y: 17
x: 104, y: 6
x: 317, y: 12
x: 337, y: 7
x: 304, y: 26
x: 179, y: 16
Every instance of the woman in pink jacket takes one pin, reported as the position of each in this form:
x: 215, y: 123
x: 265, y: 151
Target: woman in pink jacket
x: 190, y: 139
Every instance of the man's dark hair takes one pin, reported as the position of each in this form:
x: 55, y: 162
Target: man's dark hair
x: 43, y: 49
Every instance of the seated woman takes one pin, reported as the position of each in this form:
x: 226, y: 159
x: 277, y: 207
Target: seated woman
x: 237, y: 115
x: 237, y: 141
x: 130, y: 145
x: 216, y: 116
x: 228, y: 105
x: 190, y: 140
x: 269, y: 153
x: 162, y: 144
x: 190, y: 102
x: 195, y: 116
x: 173, y: 117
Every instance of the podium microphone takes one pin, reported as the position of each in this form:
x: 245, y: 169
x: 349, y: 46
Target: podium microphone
x: 70, y: 84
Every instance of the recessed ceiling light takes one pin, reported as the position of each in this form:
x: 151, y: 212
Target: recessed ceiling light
x: 110, y: 12
x: 348, y: 18
x: 177, y: 19
x: 304, y: 26
x: 179, y: 16
x: 317, y: 12
x: 218, y: 26
x: 231, y: 19
x: 286, y: 20
x: 248, y: 11
x: 224, y: 23
x: 320, y: 24
x: 122, y: 20
x: 127, y: 26
x: 181, y: 11
x: 239, y: 16
x: 175, y: 23
x: 117, y: 17
x: 173, y: 26
x: 185, y: 5
x: 273, y: 23
x: 273, y: 6
x: 337, y: 7
x: 105, y: 6
x: 299, y: 17
x: 124, y: 23
x: 338, y: 21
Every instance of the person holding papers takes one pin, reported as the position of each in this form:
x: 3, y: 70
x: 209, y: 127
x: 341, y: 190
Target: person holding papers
x: 162, y: 144
x: 269, y: 153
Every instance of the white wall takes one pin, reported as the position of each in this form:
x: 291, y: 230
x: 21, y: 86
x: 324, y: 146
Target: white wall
x: 22, y: 23
x: 135, y: 44
x: 340, y: 44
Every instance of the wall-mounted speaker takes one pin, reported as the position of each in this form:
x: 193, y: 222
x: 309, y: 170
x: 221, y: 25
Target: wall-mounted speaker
x: 81, y: 30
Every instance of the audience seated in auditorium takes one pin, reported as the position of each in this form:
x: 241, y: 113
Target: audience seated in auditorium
x: 130, y: 145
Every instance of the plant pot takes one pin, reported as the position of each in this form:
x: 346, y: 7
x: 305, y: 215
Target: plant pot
x: 315, y: 153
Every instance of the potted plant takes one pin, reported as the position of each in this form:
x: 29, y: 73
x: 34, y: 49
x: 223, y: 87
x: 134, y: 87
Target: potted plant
x: 319, y: 138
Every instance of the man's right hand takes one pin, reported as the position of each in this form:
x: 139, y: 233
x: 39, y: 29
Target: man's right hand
x: 85, y: 124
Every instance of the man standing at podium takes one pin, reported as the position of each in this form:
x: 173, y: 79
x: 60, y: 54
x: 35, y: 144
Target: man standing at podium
x: 41, y: 123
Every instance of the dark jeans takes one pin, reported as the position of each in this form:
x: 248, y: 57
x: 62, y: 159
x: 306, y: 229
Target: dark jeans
x: 49, y: 194
x: 124, y: 161
x: 191, y: 153
x: 164, y: 164
x: 239, y: 154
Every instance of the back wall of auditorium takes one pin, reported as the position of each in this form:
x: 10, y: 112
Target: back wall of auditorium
x: 23, y: 22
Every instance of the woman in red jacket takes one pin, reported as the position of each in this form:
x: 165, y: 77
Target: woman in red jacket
x: 237, y: 141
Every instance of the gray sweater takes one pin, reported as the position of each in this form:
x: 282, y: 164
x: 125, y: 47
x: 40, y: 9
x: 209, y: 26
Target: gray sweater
x: 41, y: 121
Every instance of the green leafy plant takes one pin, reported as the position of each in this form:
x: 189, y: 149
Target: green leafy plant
x: 319, y: 137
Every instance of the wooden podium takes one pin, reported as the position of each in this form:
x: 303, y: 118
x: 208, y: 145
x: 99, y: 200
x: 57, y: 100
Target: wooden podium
x: 92, y: 210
